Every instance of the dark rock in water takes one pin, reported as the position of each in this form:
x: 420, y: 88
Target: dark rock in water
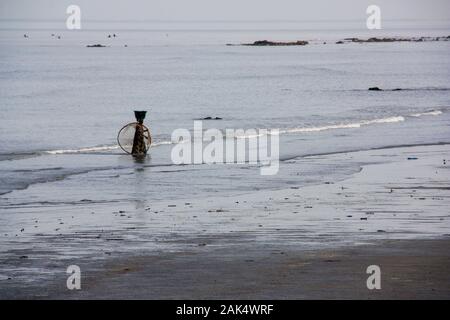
x: 210, y: 118
x: 382, y: 40
x: 262, y: 43
x: 393, y: 39
x: 95, y: 46
x: 379, y: 89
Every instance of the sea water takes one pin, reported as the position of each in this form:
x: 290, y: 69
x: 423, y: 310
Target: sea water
x: 63, y: 103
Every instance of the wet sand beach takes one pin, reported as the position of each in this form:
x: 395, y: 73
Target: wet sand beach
x: 353, y: 118
x: 303, y: 242
x: 410, y: 269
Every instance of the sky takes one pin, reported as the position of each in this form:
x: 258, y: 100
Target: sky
x: 225, y: 10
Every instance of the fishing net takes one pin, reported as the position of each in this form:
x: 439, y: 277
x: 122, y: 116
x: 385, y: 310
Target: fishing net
x: 125, y: 137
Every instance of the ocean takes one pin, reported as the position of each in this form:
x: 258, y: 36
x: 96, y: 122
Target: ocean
x: 62, y: 104
x: 70, y: 195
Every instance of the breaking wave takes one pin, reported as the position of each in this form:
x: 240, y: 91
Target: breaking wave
x: 429, y: 113
x: 82, y: 150
x: 350, y: 125
x: 344, y: 125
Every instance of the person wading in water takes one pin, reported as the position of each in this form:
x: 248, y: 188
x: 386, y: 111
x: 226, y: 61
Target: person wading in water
x: 141, y: 134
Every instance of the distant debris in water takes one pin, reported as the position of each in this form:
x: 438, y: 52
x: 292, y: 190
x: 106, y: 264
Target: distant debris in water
x: 413, y: 158
x: 262, y: 43
x: 95, y: 46
x: 379, y: 89
x: 210, y: 118
x: 394, y: 39
x: 25, y: 36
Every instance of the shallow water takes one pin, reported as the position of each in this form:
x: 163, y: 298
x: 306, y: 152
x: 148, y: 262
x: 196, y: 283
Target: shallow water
x: 68, y: 192
x: 62, y: 103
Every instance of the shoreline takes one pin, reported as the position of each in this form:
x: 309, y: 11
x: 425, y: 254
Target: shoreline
x: 391, y: 201
x: 85, y: 171
x: 356, y: 119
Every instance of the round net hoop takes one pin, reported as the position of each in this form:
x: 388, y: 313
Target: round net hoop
x: 125, y: 137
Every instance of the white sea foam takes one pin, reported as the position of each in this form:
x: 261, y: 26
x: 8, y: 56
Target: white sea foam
x: 161, y: 143
x: 351, y: 125
x: 429, y: 113
x: 81, y: 150
x: 332, y: 126
x: 99, y: 148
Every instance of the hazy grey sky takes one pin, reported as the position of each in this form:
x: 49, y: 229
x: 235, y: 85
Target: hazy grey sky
x: 224, y: 9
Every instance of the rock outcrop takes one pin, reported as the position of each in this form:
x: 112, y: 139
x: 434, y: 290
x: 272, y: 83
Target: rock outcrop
x: 263, y: 43
x: 393, y: 39
x: 95, y: 46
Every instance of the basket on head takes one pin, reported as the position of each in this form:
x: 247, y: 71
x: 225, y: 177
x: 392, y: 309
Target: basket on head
x: 140, y: 115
